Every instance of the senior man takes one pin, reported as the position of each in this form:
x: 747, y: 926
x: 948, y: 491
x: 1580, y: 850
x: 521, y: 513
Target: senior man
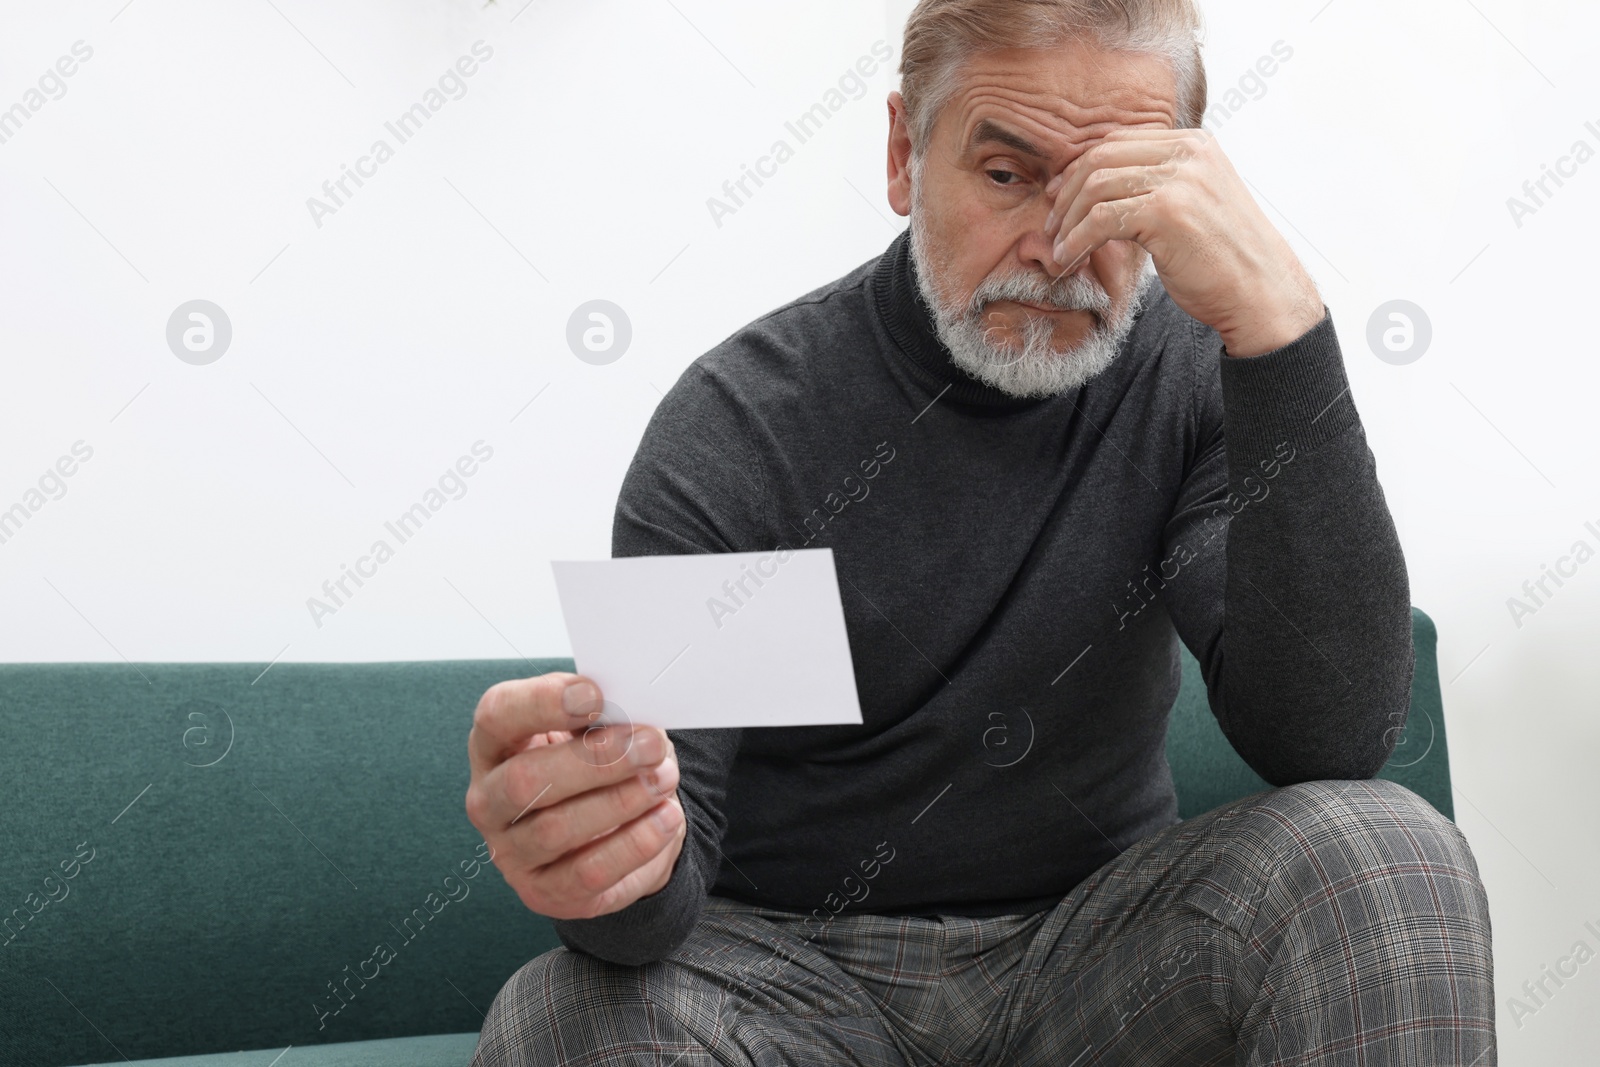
x: 1090, y: 405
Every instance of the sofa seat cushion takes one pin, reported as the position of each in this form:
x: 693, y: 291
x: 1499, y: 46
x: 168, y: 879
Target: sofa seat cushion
x: 438, y: 1050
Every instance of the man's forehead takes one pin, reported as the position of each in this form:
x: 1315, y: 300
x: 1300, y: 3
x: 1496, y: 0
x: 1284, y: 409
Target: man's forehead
x: 1051, y: 104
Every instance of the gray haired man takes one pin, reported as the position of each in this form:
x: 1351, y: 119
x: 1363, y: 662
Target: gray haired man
x: 1089, y: 406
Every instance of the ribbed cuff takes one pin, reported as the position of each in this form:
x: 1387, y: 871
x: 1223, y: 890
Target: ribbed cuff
x: 1297, y: 394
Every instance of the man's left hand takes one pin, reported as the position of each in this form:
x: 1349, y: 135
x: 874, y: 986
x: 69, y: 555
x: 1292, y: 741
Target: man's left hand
x: 1177, y: 195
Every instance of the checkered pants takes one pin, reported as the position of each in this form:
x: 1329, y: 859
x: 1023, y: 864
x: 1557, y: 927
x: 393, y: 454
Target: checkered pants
x: 1323, y: 923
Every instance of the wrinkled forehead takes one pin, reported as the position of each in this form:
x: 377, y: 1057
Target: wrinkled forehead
x: 1053, y: 104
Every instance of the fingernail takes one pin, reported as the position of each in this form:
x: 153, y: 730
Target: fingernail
x: 1050, y: 222
x: 579, y: 697
x: 660, y: 779
x: 647, y: 748
x: 665, y: 818
x: 1059, y: 251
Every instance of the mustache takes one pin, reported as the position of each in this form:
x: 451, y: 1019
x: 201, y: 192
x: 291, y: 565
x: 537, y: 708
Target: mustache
x: 1075, y: 293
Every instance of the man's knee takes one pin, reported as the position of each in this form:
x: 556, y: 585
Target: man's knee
x: 556, y: 979
x: 1360, y: 838
x: 542, y: 1001
x: 1390, y: 818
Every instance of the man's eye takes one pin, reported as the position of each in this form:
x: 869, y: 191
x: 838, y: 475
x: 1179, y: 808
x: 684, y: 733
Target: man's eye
x: 1003, y: 177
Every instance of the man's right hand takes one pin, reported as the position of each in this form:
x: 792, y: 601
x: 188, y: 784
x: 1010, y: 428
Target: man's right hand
x: 582, y: 820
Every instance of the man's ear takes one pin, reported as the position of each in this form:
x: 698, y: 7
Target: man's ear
x: 899, y: 156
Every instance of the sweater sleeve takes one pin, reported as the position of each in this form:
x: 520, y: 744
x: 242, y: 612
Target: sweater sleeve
x: 1291, y: 588
x: 694, y: 485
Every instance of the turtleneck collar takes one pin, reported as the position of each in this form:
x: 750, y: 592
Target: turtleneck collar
x: 909, y: 321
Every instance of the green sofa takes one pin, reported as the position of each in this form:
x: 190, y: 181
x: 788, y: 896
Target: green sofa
x: 193, y: 855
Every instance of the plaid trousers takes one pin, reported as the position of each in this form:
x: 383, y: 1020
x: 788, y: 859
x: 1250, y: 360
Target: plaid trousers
x: 1322, y: 923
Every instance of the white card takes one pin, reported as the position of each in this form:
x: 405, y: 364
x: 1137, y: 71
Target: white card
x: 714, y: 639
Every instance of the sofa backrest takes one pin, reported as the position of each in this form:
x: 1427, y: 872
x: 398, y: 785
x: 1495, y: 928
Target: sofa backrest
x: 243, y: 848
x: 204, y: 858
x: 1208, y: 772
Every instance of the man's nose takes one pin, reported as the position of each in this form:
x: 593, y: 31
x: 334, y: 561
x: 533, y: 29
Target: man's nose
x: 1036, y: 249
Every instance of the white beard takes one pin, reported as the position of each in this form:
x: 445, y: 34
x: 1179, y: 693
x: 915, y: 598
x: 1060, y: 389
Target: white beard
x: 1031, y: 368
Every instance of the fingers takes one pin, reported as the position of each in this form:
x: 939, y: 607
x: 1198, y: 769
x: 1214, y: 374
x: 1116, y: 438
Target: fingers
x: 546, y: 833
x: 511, y: 713
x: 606, y: 825
x: 1122, y: 167
x: 1108, y: 209
x: 1066, y: 185
x: 547, y: 775
x: 554, y: 737
x: 640, y: 883
x: 1114, y: 220
x: 1107, y: 183
x: 611, y: 872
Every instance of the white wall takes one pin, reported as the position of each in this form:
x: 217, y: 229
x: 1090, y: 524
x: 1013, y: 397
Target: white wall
x: 370, y: 352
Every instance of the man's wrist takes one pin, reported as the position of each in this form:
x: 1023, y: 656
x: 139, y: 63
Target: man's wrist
x: 1261, y: 338
x: 1287, y: 312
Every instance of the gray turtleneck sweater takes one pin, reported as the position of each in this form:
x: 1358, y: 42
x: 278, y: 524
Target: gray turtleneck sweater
x: 1016, y: 577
